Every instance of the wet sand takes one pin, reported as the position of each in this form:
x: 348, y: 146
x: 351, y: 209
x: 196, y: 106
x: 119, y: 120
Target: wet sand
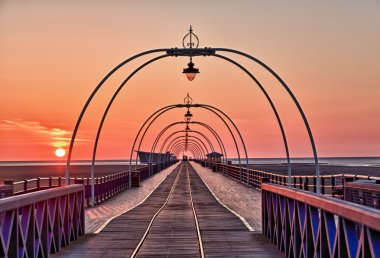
x: 18, y: 173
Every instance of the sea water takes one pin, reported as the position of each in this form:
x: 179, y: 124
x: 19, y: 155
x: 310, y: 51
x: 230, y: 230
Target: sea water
x: 333, y: 161
x: 55, y: 163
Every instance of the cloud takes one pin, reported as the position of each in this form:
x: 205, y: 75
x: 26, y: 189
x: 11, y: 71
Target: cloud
x: 56, y: 136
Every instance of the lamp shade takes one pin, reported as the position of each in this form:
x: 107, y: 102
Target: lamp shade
x: 190, y: 71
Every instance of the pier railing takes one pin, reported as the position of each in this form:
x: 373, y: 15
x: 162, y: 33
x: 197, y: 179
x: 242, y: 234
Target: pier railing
x: 37, y: 224
x: 105, y: 186
x: 305, y: 224
x: 331, y: 185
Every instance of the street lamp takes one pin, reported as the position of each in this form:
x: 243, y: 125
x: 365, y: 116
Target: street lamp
x: 190, y: 71
x: 188, y: 116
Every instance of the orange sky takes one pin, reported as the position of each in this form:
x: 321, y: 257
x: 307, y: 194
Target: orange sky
x: 53, y: 53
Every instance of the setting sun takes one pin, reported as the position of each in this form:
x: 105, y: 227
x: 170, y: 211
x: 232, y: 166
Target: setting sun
x: 60, y: 152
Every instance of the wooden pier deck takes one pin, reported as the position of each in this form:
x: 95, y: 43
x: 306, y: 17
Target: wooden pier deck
x: 181, y: 218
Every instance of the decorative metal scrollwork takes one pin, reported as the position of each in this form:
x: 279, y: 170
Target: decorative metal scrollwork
x: 187, y: 41
x: 188, y: 100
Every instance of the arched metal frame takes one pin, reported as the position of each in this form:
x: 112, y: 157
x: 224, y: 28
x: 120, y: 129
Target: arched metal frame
x: 175, y: 123
x: 195, y: 153
x: 190, y: 140
x: 191, y: 136
x: 180, y: 148
x: 175, y: 148
x: 180, y: 145
x: 207, y: 107
x: 192, y: 150
x: 210, y: 108
x: 183, y: 131
x: 216, y: 135
x: 190, y: 143
x: 194, y: 52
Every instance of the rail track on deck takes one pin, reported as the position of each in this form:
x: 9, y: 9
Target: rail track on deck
x: 179, y: 201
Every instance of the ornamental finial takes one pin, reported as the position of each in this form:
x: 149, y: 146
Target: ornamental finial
x: 188, y: 100
x: 187, y: 41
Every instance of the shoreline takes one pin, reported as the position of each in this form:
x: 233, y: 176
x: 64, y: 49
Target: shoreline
x: 22, y: 172
x: 18, y: 173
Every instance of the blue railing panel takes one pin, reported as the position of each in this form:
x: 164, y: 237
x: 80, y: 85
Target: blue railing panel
x: 39, y: 223
x: 305, y: 224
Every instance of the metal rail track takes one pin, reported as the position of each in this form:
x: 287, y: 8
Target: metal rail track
x: 201, y: 251
x: 196, y: 224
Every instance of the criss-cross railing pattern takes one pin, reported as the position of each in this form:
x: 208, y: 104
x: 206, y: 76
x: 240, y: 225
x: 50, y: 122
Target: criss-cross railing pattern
x: 304, y: 224
x: 40, y: 223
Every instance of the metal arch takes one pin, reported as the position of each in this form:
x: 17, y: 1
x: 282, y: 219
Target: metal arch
x: 195, y: 139
x: 79, y: 120
x: 209, y: 107
x: 215, y: 134
x: 191, y: 148
x: 160, y: 111
x: 164, y: 111
x: 189, y: 142
x: 183, y: 131
x: 146, y: 129
x: 317, y: 171
x: 104, y: 117
x: 233, y: 137
x: 273, y: 108
x: 163, y: 131
x: 190, y: 136
x: 218, y: 137
x: 174, y: 148
x: 172, y: 134
x: 181, y: 145
x: 193, y: 151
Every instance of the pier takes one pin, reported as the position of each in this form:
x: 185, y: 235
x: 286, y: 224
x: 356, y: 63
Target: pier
x: 181, y: 218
